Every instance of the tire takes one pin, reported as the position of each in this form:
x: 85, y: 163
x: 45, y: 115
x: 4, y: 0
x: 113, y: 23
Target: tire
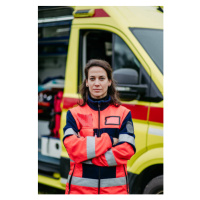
x: 155, y: 186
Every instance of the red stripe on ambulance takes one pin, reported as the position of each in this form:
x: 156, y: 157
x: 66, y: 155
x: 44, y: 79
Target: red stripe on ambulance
x: 156, y: 114
x: 137, y: 111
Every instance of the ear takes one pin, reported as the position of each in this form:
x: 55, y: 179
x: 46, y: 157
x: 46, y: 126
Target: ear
x: 86, y: 82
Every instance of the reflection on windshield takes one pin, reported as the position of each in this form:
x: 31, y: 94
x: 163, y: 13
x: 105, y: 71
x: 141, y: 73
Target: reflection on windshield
x: 123, y: 56
x: 152, y: 42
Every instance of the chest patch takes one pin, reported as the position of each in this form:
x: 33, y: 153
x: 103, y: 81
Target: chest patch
x: 85, y: 120
x: 112, y: 120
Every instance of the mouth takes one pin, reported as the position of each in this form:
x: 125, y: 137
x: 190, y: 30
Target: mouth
x: 96, y: 89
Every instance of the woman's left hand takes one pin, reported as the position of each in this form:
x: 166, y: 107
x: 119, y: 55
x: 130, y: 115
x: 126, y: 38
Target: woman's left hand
x: 115, y: 141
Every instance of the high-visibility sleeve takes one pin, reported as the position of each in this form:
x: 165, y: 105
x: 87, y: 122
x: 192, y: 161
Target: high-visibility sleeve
x: 83, y: 148
x: 117, y: 155
x: 124, y: 149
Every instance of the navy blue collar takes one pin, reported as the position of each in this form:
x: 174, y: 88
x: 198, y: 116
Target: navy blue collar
x: 104, y: 103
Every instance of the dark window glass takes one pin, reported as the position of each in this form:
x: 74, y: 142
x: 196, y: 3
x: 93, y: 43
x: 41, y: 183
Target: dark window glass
x: 59, y: 48
x: 53, y: 11
x: 54, y: 31
x: 123, y: 56
x: 99, y: 45
x: 152, y: 42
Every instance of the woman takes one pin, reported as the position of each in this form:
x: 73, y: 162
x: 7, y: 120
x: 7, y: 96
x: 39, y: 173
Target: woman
x: 99, y: 136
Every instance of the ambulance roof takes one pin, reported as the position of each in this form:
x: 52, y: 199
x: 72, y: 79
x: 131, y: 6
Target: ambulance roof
x: 131, y: 16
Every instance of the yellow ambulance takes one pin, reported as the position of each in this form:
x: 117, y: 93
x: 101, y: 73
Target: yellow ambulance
x: 131, y: 40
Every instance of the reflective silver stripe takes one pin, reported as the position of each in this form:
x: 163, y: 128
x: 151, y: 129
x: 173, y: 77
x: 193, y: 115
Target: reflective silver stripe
x: 71, y: 160
x: 126, y: 138
x: 70, y: 131
x: 69, y: 176
x: 89, y: 182
x: 63, y: 180
x: 110, y: 158
x: 109, y: 182
x: 90, y: 147
x: 155, y: 131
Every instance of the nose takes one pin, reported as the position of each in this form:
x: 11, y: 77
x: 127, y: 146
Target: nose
x: 96, y: 82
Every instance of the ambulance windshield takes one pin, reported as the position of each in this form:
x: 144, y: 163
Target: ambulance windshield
x: 152, y: 42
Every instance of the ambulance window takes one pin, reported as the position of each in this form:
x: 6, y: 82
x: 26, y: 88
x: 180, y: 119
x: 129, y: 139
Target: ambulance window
x: 152, y: 41
x: 123, y: 57
x: 94, y: 44
x: 99, y: 45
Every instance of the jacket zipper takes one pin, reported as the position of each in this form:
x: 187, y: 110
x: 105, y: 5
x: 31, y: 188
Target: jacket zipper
x: 127, y: 185
x: 99, y: 136
x: 71, y: 179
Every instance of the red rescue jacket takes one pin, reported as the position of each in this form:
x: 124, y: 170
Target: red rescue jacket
x: 96, y: 166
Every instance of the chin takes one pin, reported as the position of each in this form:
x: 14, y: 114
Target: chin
x: 97, y: 97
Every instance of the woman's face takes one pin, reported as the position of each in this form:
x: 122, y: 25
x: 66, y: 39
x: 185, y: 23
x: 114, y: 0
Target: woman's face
x: 97, y: 82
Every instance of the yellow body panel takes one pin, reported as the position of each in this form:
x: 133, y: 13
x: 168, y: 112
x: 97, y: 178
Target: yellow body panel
x: 155, y: 131
x: 72, y: 63
x: 149, y: 158
x: 51, y: 182
x: 125, y: 16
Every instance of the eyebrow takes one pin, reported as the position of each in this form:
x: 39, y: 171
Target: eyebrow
x: 95, y: 76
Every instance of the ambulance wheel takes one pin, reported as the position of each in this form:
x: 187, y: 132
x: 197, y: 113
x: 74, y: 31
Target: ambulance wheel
x: 155, y: 186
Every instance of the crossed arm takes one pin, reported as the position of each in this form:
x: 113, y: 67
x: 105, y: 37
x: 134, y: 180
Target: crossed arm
x: 101, y: 151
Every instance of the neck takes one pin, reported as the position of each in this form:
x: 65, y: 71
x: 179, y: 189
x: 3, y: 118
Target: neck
x: 104, y: 98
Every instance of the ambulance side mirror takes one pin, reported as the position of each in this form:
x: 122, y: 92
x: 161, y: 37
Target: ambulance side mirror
x: 127, y: 82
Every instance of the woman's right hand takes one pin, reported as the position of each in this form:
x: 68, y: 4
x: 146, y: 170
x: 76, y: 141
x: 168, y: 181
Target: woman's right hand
x: 115, y: 141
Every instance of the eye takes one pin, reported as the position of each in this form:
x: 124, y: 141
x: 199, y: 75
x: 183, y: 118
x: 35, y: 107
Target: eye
x: 92, y: 79
x: 102, y: 78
